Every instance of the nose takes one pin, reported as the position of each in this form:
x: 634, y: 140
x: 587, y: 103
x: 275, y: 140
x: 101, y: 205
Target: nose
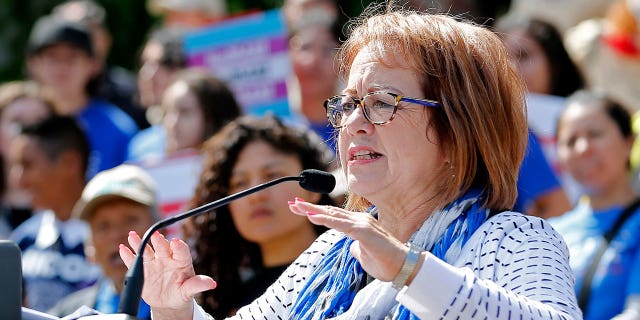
x: 148, y: 70
x: 17, y: 174
x: 357, y: 123
x: 259, y: 196
x: 119, y: 233
x: 582, y: 146
x: 307, y: 58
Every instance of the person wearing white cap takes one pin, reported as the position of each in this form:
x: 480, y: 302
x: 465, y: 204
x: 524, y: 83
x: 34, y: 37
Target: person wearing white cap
x: 114, y: 202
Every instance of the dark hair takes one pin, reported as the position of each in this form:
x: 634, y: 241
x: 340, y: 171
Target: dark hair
x: 57, y: 134
x: 11, y: 92
x: 217, y: 102
x: 171, y: 41
x: 566, y: 78
x: 221, y: 250
x: 599, y: 100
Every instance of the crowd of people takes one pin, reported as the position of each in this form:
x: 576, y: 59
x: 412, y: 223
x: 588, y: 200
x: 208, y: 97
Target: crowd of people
x: 485, y: 168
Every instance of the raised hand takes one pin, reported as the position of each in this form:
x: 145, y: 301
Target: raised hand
x: 170, y: 282
x: 379, y: 252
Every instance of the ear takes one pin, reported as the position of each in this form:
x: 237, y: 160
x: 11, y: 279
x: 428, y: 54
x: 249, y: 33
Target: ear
x: 634, y: 151
x: 108, y: 39
x: 631, y: 140
x: 632, y: 148
x: 96, y: 67
x: 90, y: 250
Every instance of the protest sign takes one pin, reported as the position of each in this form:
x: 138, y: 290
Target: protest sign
x: 176, y: 177
x: 250, y: 53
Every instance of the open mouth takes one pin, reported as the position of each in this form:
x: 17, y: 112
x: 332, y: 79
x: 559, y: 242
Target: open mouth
x: 365, y: 155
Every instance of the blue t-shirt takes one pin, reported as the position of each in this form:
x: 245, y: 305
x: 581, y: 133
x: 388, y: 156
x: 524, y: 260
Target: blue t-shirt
x: 536, y: 177
x: 108, y: 301
x: 618, y: 274
x: 108, y: 130
x: 148, y: 143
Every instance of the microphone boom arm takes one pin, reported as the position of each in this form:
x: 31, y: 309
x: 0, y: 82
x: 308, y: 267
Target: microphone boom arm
x: 134, y: 279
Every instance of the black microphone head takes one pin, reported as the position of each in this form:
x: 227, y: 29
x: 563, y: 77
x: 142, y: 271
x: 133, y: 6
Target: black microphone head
x: 317, y: 181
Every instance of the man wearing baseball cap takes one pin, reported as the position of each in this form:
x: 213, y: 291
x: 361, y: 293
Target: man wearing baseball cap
x: 113, y: 203
x: 61, y: 58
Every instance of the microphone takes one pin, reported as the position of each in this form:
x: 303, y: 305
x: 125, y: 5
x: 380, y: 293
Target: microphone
x: 310, y: 179
x: 11, y: 279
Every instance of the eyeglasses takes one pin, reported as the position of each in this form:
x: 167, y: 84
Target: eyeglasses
x: 379, y: 107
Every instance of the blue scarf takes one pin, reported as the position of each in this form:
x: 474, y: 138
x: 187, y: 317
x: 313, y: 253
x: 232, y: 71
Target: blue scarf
x: 334, y: 283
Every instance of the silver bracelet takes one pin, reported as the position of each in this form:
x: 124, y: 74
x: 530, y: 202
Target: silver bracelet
x: 408, y: 267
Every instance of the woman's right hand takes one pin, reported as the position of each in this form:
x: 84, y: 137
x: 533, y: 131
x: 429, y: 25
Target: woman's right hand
x: 170, y: 282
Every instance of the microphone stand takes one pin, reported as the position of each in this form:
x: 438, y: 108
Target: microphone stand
x: 134, y: 279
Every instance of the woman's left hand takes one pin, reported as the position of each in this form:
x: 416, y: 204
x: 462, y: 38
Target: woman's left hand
x: 380, y: 253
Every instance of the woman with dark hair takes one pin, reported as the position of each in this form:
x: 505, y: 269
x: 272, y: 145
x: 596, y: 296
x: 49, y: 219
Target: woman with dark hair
x: 594, y: 143
x: 251, y: 241
x: 537, y: 51
x: 540, y: 56
x: 196, y: 106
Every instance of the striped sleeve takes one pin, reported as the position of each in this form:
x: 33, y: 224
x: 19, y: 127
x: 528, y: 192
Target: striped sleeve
x: 514, y: 267
x: 278, y: 299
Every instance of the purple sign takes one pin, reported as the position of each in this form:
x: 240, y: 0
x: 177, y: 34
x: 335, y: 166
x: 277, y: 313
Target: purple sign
x: 251, y: 54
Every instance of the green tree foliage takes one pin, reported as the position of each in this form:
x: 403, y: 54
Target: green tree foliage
x: 127, y: 20
x: 16, y: 19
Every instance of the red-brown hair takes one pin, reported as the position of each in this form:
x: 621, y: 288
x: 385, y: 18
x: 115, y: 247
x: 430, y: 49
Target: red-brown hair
x: 482, y: 123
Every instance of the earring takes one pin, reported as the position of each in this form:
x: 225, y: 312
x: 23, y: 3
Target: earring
x: 451, y: 168
x: 448, y: 163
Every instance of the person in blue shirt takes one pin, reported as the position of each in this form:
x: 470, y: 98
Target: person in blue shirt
x: 314, y: 31
x: 49, y: 160
x: 594, y: 143
x: 539, y: 190
x: 114, y: 202
x: 162, y: 58
x: 61, y: 58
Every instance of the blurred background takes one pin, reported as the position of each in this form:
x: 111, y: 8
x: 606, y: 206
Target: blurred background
x: 130, y: 20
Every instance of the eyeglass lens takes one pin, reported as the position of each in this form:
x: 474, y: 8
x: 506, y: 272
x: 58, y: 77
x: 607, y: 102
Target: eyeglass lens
x: 378, y: 108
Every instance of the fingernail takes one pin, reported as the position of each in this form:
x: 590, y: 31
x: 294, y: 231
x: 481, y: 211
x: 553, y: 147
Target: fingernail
x: 156, y: 232
x: 300, y: 199
x: 310, y: 213
x: 132, y: 233
x: 291, y: 202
